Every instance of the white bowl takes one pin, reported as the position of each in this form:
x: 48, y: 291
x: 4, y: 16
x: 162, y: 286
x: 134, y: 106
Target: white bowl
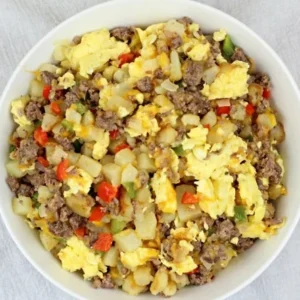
x: 286, y: 96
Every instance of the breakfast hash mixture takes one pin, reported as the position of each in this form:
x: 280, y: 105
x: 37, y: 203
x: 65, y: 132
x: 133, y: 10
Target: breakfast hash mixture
x: 147, y: 159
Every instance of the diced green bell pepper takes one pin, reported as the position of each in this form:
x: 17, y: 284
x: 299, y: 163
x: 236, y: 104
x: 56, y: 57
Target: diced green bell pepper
x: 228, y: 47
x: 240, y: 214
x: 129, y: 187
x: 81, y: 108
x: 116, y: 226
x: 179, y: 150
x: 67, y: 125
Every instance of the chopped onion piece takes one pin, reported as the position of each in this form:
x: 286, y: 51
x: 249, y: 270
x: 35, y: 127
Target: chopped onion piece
x: 223, y: 102
x: 169, y: 86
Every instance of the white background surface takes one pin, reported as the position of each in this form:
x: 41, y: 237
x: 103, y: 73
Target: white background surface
x: 23, y: 23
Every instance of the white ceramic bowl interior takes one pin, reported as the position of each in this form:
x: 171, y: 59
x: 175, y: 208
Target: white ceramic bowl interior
x: 246, y: 267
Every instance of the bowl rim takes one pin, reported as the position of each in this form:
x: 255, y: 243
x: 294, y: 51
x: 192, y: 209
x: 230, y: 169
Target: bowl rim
x: 232, y: 19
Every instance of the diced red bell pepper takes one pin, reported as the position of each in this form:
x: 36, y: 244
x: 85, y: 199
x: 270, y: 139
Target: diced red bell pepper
x: 59, y: 93
x: 61, y: 171
x: 55, y: 108
x: 196, y: 270
x: 40, y: 136
x: 43, y: 161
x: 104, y: 242
x: 121, y: 147
x: 97, y: 214
x: 223, y: 110
x: 106, y: 191
x: 267, y: 94
x: 46, y: 91
x: 80, y: 232
x: 250, y: 110
x: 207, y: 126
x: 114, y: 134
x: 126, y: 58
x: 189, y: 198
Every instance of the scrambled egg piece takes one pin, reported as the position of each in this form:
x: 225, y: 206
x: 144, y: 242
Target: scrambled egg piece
x: 165, y: 193
x: 249, y: 193
x: 231, y: 82
x: 80, y: 182
x: 67, y: 80
x: 167, y: 158
x: 189, y: 233
x: 139, y: 257
x: 202, y: 169
x: 76, y: 256
x: 219, y: 35
x: 197, y: 49
x: 142, y: 67
x: 223, y: 200
x: 220, y: 59
x: 185, y: 266
x: 18, y: 110
x: 112, y: 98
x: 196, y: 137
x: 100, y: 147
x: 96, y: 49
x: 143, y: 122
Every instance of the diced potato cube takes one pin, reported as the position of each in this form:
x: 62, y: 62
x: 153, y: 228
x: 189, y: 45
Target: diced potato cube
x: 160, y: 281
x: 107, y: 159
x: 167, y: 218
x: 143, y: 195
x: 170, y: 290
x: 13, y: 169
x: 88, y: 118
x: 126, y: 208
x: 58, y: 129
x: 73, y: 157
x: 255, y: 93
x: 59, y: 53
x: 130, y: 286
x: 142, y: 275
x: 89, y: 165
x: 145, y: 162
x: 48, y: 67
x: 120, y: 105
x: 22, y: 205
x: 48, y: 241
x: 267, y: 121
x: 80, y: 204
x: 49, y: 121
x: 36, y: 88
x: 175, y: 68
x: 190, y: 120
x: 73, y: 116
x: 24, y: 131
x: 185, y: 212
x: 210, y: 74
x: 110, y: 258
x: 112, y: 172
x: 167, y: 136
x: 145, y: 225
x: 108, y: 73
x: 127, y: 240
x: 220, y: 132
x: 87, y: 149
x: 180, y: 280
x: 124, y: 157
x: 57, y: 155
x: 209, y: 119
x: 129, y: 174
x: 44, y: 194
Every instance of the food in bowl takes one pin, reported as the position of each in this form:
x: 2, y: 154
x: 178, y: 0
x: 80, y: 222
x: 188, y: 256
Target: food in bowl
x: 147, y: 159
